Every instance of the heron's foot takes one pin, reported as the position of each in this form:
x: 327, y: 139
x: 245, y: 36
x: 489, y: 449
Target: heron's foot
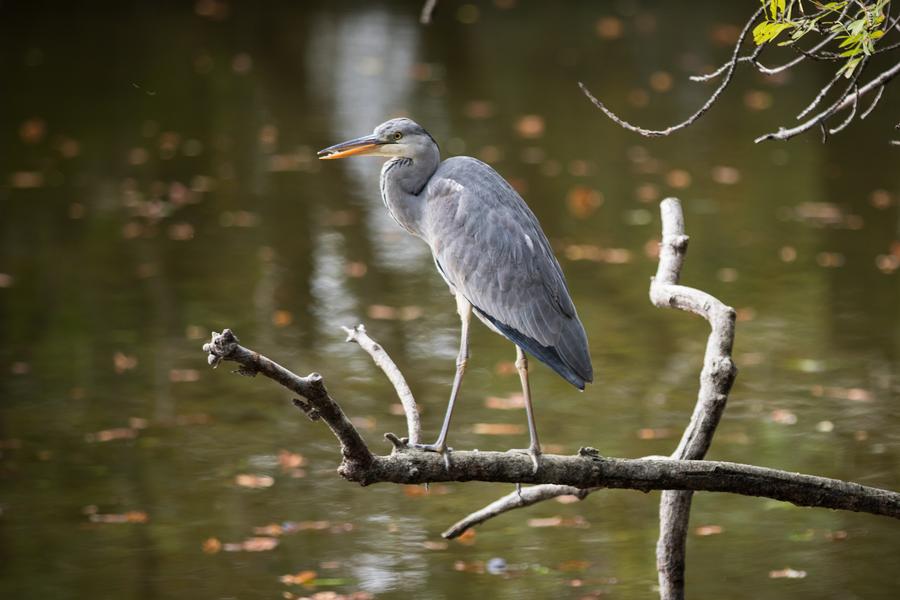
x: 534, y: 453
x: 441, y: 449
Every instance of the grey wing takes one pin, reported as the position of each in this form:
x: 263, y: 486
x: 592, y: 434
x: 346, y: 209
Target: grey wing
x: 490, y: 248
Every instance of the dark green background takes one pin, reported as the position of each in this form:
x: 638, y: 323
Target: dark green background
x: 154, y: 95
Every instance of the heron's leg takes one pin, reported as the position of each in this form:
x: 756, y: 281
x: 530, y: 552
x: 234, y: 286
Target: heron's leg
x: 465, y: 315
x: 534, y: 448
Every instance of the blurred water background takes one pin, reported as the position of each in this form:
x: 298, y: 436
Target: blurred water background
x: 158, y: 180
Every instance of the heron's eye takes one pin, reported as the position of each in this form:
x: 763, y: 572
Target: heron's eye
x: 397, y: 135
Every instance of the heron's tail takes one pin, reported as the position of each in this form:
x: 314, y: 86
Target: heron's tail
x: 569, y: 357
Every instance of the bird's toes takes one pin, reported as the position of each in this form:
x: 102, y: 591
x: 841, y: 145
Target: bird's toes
x: 441, y: 449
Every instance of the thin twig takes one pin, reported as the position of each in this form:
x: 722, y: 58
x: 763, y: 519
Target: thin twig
x: 874, y: 103
x: 690, y: 120
x: 383, y: 360
x: 513, y: 500
x: 842, y: 102
x: 850, y: 116
x: 822, y: 93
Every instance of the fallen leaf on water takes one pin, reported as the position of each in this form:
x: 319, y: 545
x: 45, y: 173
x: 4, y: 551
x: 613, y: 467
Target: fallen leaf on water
x: 830, y: 259
x: 881, y: 199
x: 109, y: 435
x: 301, y: 578
x: 417, y: 491
x: 887, y: 263
x: 545, y: 522
x: 747, y: 313
x: 290, y: 460
x: 836, y: 536
x: 705, y: 530
x: 389, y: 313
x: 238, y: 218
x: 475, y: 566
x: 212, y: 545
x: 19, y: 368
x: 184, y: 375
x: 661, y: 81
x: 33, y: 130
x: 254, y: 544
x: 530, y: 126
x: 507, y: 403
x: 138, y: 422
x: 597, y: 254
x: 725, y: 175
x: 505, y: 367
x: 841, y: 393
x: 254, y: 481
x: 282, y: 318
x: 123, y: 362
x: 5, y: 280
x: 270, y: 530
x: 435, y: 545
x: 782, y: 416
x: 364, y: 422
x: 478, y: 109
x: 654, y: 433
x: 647, y: 192
x: 133, y: 516
x: 498, y: 429
x: 757, y: 100
x: 568, y: 499
x: 678, y: 179
x: 582, y: 201
x: 787, y: 573
x: 573, y: 565
x: 181, y: 232
x: 788, y: 254
x: 355, y: 269
x: 609, y: 28
x: 193, y: 419
x: 727, y: 274
x: 467, y: 537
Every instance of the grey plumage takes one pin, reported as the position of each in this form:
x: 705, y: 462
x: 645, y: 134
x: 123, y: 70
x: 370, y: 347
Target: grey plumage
x: 488, y: 247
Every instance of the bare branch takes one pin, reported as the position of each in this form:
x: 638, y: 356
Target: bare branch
x: 850, y: 116
x: 224, y: 346
x: 874, y: 103
x: 518, y: 499
x: 822, y: 93
x: 735, y: 57
x: 842, y: 102
x: 716, y: 379
x: 358, y: 334
x: 427, y: 9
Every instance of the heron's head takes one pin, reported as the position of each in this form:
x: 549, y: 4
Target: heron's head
x: 395, y: 138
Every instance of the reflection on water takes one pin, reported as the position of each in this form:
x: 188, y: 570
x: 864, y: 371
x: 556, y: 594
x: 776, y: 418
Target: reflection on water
x: 159, y: 180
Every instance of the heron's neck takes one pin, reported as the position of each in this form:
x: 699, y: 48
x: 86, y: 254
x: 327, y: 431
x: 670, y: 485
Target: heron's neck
x: 403, y: 181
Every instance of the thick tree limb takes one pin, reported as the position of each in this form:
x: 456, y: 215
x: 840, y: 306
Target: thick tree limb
x: 380, y: 357
x: 583, y: 471
x: 716, y: 379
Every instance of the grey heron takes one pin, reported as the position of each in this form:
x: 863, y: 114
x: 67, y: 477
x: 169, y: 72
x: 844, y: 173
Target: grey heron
x: 489, y: 248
